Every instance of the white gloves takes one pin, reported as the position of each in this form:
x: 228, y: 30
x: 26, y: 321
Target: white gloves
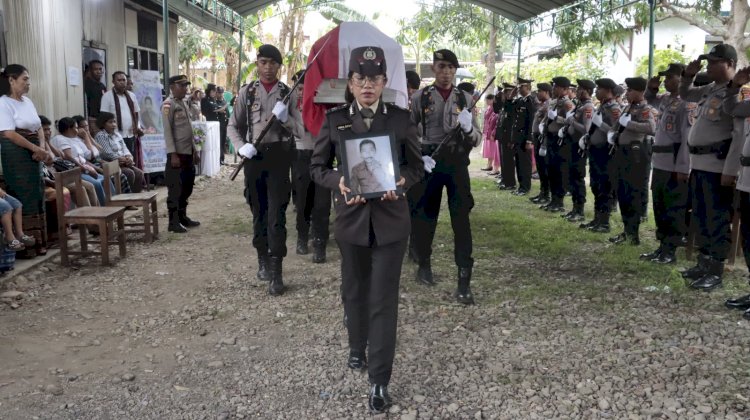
x: 597, y: 119
x: 248, y: 150
x: 624, y: 120
x: 570, y: 114
x: 281, y: 111
x: 541, y: 127
x: 582, y: 142
x: 561, y: 132
x: 429, y: 163
x: 611, y: 138
x: 542, y: 150
x: 552, y: 114
x: 464, y: 120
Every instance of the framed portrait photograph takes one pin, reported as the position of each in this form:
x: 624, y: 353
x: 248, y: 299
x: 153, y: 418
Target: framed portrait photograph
x: 370, y: 163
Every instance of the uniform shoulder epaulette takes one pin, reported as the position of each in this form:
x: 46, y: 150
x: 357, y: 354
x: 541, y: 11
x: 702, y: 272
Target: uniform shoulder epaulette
x: 396, y: 107
x: 338, y: 108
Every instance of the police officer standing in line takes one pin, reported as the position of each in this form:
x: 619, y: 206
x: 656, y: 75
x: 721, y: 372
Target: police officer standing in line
x: 504, y: 106
x: 577, y: 126
x: 313, y: 202
x: 181, y: 155
x: 557, y: 150
x: 522, y: 141
x: 443, y: 110
x: 540, y: 116
x: 267, y: 183
x: 371, y: 234
x: 599, y: 157
x: 714, y: 165
x: 671, y: 164
x: 628, y: 137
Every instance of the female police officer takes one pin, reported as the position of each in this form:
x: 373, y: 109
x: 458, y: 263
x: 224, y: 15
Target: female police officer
x: 371, y: 234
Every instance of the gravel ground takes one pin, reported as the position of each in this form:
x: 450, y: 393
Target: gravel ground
x: 181, y: 329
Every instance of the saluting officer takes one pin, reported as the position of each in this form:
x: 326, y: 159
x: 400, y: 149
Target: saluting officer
x: 628, y: 136
x: 714, y: 165
x: 181, y: 155
x: 557, y: 149
x: 267, y: 183
x: 599, y: 157
x: 443, y: 111
x: 540, y: 116
x: 371, y: 234
x: 522, y: 142
x: 578, y: 125
x: 504, y: 106
x: 670, y: 162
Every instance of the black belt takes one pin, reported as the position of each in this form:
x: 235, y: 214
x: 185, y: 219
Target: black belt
x: 663, y: 149
x: 720, y: 148
x: 745, y: 160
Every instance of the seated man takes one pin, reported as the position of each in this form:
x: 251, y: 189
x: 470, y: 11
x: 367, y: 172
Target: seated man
x: 114, y: 148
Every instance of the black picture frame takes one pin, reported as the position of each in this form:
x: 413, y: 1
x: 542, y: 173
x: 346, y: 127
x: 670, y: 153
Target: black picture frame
x: 385, y: 154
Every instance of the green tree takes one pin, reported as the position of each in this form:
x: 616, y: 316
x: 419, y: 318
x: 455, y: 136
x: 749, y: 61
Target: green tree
x: 662, y: 58
x: 586, y: 63
x: 192, y: 45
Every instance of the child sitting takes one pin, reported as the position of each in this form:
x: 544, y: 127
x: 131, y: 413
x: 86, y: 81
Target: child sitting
x: 10, y: 218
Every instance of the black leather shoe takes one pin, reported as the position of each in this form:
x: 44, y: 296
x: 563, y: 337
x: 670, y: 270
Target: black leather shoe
x: 379, y: 400
x: 568, y: 214
x: 555, y: 208
x: 356, y: 362
x: 543, y: 200
x: 707, y: 283
x: 665, y: 258
x: 651, y: 255
x: 742, y: 302
x: 535, y: 198
x: 264, y: 273
x: 619, y: 238
x: 575, y: 218
x: 302, y: 248
x: 463, y: 292
x: 503, y: 187
x: 589, y: 225
x: 276, y: 284
x: 601, y: 228
x: 186, y: 221
x: 520, y: 193
x: 698, y: 271
x: 176, y: 227
x: 424, y: 274
x: 319, y: 251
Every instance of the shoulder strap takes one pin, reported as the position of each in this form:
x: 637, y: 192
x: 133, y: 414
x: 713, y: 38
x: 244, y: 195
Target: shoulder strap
x: 249, y: 100
x: 425, y: 103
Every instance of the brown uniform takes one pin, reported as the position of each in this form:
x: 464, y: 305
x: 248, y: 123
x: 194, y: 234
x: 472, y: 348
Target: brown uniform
x: 178, y: 137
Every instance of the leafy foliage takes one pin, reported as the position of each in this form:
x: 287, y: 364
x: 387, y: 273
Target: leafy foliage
x: 586, y: 63
x: 662, y: 58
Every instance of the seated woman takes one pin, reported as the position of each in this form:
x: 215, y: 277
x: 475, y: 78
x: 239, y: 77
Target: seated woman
x: 92, y: 149
x: 11, y: 219
x: 73, y: 150
x: 113, y: 148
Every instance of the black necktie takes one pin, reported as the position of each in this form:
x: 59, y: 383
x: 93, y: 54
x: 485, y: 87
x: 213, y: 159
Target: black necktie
x: 367, y: 116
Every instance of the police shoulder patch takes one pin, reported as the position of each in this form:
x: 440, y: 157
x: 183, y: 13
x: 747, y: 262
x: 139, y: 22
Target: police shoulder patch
x: 616, y: 112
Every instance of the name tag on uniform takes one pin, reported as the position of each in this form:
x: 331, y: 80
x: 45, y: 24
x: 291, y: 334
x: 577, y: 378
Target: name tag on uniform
x: 343, y: 127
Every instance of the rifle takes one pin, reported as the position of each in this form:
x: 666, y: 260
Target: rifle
x: 620, y: 129
x: 453, y: 133
x: 273, y: 119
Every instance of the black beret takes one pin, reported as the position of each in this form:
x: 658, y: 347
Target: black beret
x: 606, y: 84
x: 179, y: 79
x: 586, y: 84
x: 673, y: 69
x: 412, y: 79
x: 297, y: 75
x: 636, y: 83
x: 619, y: 90
x: 445, y: 55
x: 367, y: 61
x: 269, y: 51
x: 701, y: 79
x: 525, y: 81
x: 544, y: 87
x: 561, y: 81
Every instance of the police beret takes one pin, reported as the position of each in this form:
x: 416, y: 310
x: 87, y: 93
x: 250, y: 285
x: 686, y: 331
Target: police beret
x: 367, y: 61
x: 561, y: 81
x: 508, y: 86
x: 412, y: 79
x: 720, y: 52
x: 179, y: 79
x: 466, y: 87
x: 525, y: 81
x: 586, y: 84
x: 445, y: 55
x: 674, y: 69
x: 701, y: 79
x: 269, y: 51
x: 618, y: 90
x: 297, y: 75
x: 636, y: 83
x: 544, y: 87
x: 606, y: 84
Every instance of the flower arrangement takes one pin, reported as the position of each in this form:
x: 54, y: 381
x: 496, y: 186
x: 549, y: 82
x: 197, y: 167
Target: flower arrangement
x: 199, y: 137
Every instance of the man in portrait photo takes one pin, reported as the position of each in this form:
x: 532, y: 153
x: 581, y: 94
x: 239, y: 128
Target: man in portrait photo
x: 369, y: 175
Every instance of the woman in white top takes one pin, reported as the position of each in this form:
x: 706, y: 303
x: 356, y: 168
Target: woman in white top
x: 23, y: 149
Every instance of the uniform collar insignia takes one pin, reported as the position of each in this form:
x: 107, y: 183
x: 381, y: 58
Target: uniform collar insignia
x: 351, y: 109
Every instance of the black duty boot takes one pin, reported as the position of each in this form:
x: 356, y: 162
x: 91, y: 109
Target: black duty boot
x: 698, y: 271
x: 276, y: 285
x: 652, y: 255
x: 174, y: 223
x: 463, y: 291
x: 594, y: 222
x: 535, y: 198
x: 617, y: 240
x: 424, y: 274
x: 319, y: 251
x: 357, y: 360
x: 264, y: 272
x: 667, y: 256
x: 634, y: 239
x: 379, y: 401
x: 577, y: 214
x: 185, y: 220
x: 712, y: 279
x: 554, y: 206
x: 603, y: 226
x: 302, y: 248
x: 742, y: 303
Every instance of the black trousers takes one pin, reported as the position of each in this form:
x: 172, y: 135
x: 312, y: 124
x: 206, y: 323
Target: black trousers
x: 541, y: 168
x: 557, y: 160
x: 267, y: 188
x: 312, y: 201
x: 180, y: 182
x: 670, y: 204
x: 455, y: 179
x: 507, y: 163
x: 745, y: 225
x: 599, y: 177
x: 130, y: 144
x: 646, y: 179
x: 576, y: 173
x: 370, y: 279
x: 712, y: 213
x: 222, y: 140
x: 631, y: 164
x: 523, y: 166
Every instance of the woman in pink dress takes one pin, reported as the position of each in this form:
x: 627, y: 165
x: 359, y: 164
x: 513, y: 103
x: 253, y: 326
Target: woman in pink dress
x: 490, y: 149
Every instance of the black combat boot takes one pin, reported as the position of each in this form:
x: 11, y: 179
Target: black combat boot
x: 577, y: 214
x: 424, y: 274
x: 594, y: 222
x: 617, y: 240
x: 174, y: 223
x: 699, y: 270
x: 554, y: 206
x: 463, y: 291
x: 603, y: 226
x: 357, y: 360
x: 742, y: 303
x: 319, y: 251
x: 185, y: 220
x: 652, y: 255
x: 379, y: 401
x: 667, y: 255
x: 302, y: 248
x: 276, y: 285
x: 712, y: 279
x: 264, y: 272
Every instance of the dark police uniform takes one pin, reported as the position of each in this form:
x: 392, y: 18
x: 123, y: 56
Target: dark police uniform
x: 505, y: 108
x: 630, y: 162
x: 267, y: 183
x: 578, y: 126
x: 540, y: 117
x: 670, y: 157
x: 524, y: 111
x: 558, y: 149
x: 372, y: 236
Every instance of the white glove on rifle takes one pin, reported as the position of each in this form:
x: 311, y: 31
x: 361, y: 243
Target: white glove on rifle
x: 552, y: 114
x: 611, y: 138
x: 541, y: 127
x: 464, y: 120
x: 542, y: 150
x: 561, y: 132
x: 248, y: 150
x: 624, y: 120
x: 570, y: 114
x: 597, y: 119
x: 281, y: 111
x: 582, y: 142
x: 429, y: 163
